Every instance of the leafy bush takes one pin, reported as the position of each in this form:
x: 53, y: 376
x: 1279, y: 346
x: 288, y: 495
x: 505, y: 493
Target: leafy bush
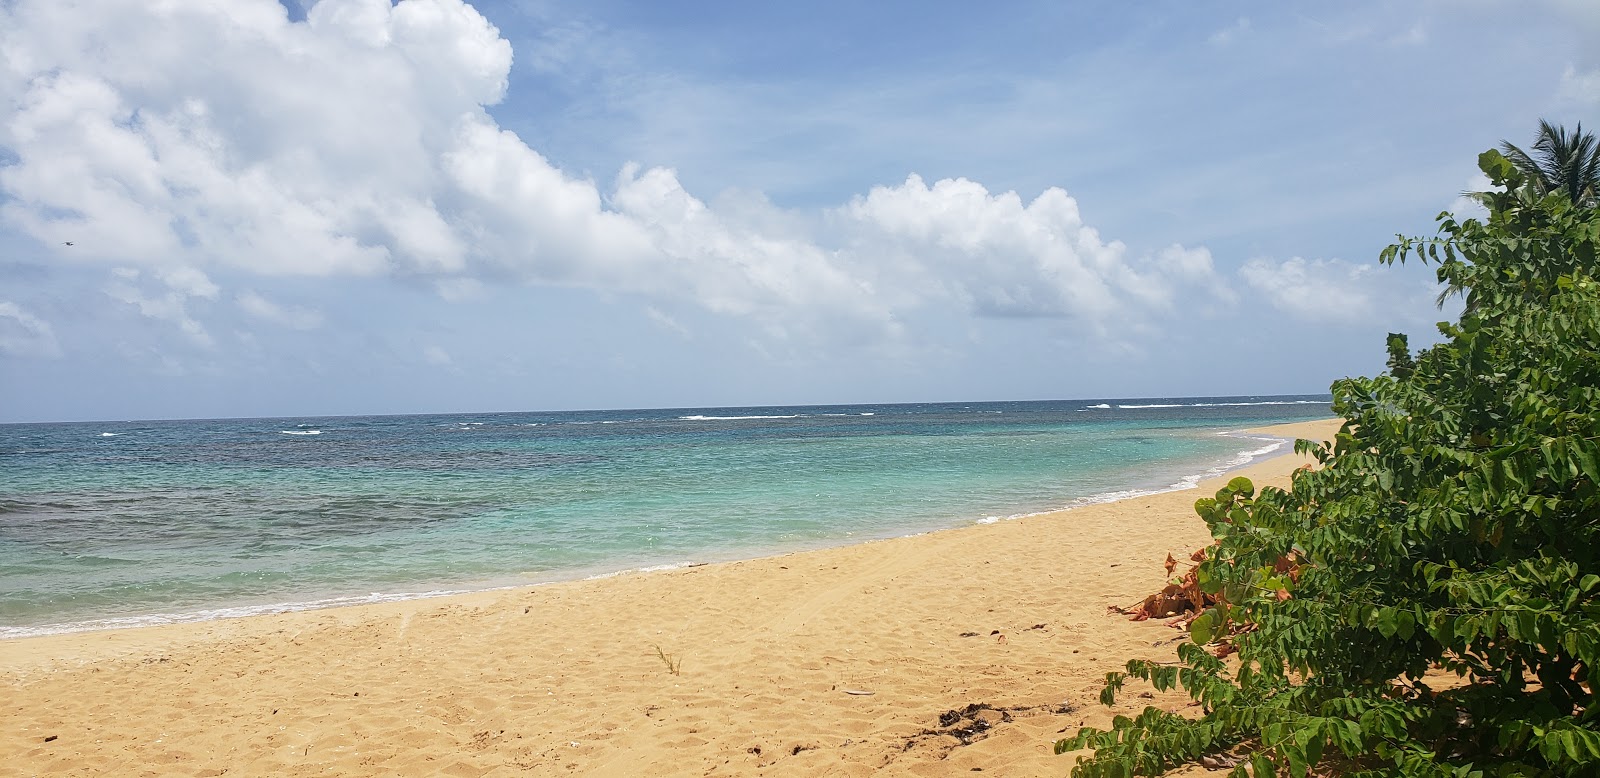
x: 1443, y: 613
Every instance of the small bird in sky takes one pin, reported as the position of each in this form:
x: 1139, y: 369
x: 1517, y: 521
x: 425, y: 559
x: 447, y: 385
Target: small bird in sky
x: 66, y: 243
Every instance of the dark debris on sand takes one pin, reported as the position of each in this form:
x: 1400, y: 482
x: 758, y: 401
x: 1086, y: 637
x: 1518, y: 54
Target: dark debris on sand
x: 972, y: 723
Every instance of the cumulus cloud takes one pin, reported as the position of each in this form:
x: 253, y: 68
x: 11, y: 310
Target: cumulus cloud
x: 169, y: 304
x: 999, y: 256
x: 357, y: 143
x: 311, y: 148
x: 189, y: 282
x: 1330, y: 290
x: 733, y: 267
x: 24, y: 335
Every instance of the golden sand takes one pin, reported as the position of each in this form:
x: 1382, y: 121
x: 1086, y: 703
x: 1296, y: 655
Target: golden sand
x: 832, y: 662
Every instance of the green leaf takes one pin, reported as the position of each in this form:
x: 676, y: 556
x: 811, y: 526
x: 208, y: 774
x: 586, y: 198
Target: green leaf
x: 1386, y: 622
x: 1311, y: 742
x: 1405, y: 624
x: 1203, y: 628
x: 1458, y: 499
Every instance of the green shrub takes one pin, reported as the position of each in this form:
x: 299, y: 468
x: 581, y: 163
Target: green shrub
x: 1443, y: 615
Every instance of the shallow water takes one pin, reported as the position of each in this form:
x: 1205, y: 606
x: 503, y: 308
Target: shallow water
x: 122, y: 523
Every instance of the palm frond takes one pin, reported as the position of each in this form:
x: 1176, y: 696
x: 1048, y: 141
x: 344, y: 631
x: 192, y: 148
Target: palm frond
x: 1562, y: 161
x: 1526, y: 165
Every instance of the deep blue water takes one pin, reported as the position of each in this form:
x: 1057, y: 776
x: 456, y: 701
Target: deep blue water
x: 113, y: 523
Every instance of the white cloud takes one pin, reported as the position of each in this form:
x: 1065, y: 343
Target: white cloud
x: 1579, y: 87
x: 24, y: 335
x: 189, y: 282
x: 169, y: 305
x: 1188, y: 282
x: 357, y: 143
x: 1317, y: 290
x: 308, y: 148
x: 731, y: 266
x: 998, y: 256
x: 282, y: 315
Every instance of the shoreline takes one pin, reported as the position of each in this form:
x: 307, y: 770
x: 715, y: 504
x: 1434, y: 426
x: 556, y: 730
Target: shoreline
x: 511, y: 582
x: 846, y: 661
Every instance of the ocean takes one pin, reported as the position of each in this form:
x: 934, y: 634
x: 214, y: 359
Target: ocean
x: 114, y: 524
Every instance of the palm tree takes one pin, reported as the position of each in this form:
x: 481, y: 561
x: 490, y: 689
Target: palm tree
x: 1561, y: 162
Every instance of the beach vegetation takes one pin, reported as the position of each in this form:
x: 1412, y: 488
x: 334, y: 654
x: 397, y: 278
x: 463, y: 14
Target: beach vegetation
x: 1562, y: 161
x: 674, y: 663
x: 1426, y: 600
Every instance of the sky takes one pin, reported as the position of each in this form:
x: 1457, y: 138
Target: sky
x: 357, y: 207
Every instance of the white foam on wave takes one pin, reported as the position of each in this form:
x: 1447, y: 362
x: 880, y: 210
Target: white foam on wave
x: 1215, y: 405
x: 242, y: 611
x: 650, y: 569
x: 1263, y: 402
x: 1100, y: 407
x: 1240, y: 460
x: 301, y: 432
x: 698, y: 417
x: 109, y: 434
x: 212, y: 614
x: 1191, y: 481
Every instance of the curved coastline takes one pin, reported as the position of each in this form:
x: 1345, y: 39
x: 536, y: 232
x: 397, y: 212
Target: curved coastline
x: 1277, y: 446
x: 772, y: 657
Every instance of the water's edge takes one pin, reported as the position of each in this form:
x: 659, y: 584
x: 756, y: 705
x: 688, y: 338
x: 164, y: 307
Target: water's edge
x: 1273, y: 446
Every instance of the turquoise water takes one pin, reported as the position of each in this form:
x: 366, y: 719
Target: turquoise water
x: 121, y: 523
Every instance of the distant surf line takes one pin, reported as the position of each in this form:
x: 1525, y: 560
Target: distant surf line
x: 1108, y: 406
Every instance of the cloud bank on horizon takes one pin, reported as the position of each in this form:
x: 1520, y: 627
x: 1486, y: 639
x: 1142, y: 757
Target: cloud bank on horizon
x: 217, y: 167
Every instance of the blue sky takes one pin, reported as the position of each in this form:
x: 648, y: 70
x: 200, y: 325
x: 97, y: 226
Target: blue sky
x: 357, y: 207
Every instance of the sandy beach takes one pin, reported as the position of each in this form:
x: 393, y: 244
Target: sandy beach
x: 844, y: 661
